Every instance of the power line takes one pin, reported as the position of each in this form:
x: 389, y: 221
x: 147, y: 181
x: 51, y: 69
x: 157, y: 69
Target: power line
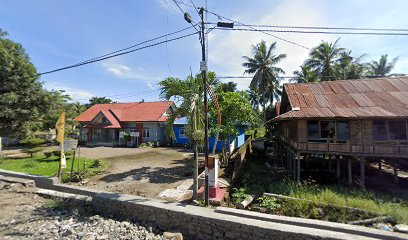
x: 267, y: 33
x: 328, y: 28
x: 126, y: 95
x: 114, y: 55
x: 138, y: 44
x: 184, y: 14
x: 316, y: 32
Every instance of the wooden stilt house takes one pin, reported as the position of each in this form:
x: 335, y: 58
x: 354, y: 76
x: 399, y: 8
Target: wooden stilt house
x: 364, y: 118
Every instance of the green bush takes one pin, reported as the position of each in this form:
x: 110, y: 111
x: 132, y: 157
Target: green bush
x: 127, y: 137
x: 33, y: 151
x: 144, y: 145
x: 270, y: 203
x: 239, y: 195
x: 32, y: 141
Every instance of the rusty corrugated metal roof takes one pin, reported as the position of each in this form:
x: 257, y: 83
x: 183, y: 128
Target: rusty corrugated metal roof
x: 359, y: 98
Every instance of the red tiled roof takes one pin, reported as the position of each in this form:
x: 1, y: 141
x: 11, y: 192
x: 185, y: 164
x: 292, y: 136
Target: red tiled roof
x: 360, y: 98
x: 128, y: 112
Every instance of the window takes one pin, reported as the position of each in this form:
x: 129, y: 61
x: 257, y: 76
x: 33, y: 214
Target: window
x: 342, y: 130
x: 182, y: 133
x: 397, y: 130
x: 379, y: 130
x: 313, y: 129
x: 146, y: 132
x: 327, y: 129
x: 132, y: 130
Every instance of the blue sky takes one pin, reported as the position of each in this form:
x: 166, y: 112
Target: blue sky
x: 56, y: 33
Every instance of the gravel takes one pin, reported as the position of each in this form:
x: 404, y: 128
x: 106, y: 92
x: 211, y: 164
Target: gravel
x: 25, y: 215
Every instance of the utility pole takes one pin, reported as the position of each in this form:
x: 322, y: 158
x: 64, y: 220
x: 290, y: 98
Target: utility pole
x: 203, y: 68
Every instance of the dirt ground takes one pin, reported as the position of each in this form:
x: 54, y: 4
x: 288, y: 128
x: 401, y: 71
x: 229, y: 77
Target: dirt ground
x: 146, y: 172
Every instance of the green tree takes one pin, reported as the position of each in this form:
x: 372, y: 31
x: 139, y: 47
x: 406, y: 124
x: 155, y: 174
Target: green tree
x: 263, y: 66
x: 236, y: 110
x: 323, y: 60
x: 56, y: 102
x: 189, y: 95
x: 22, y: 98
x: 349, y: 67
x: 382, y: 67
x: 305, y: 75
x: 99, y: 100
x: 227, y: 87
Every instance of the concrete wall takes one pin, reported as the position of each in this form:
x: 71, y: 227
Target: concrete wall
x: 207, y: 223
x: 155, y: 132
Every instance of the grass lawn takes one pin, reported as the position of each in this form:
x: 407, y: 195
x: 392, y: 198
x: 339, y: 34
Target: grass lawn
x: 40, y: 165
x: 254, y: 179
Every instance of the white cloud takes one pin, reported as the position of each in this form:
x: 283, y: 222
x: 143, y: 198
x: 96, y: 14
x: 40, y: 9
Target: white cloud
x: 226, y: 48
x: 76, y: 94
x: 123, y: 71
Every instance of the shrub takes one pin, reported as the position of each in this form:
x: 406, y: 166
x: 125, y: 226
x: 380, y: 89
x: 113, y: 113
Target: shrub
x: 239, y: 195
x: 32, y: 141
x: 127, y: 137
x: 144, y: 145
x: 33, y: 151
x: 270, y: 203
x: 96, y: 164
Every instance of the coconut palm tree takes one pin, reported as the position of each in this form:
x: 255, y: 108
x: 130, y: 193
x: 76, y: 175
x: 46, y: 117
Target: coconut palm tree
x: 305, y: 75
x: 349, y: 67
x: 254, y: 98
x: 383, y: 67
x: 262, y: 66
x: 323, y: 59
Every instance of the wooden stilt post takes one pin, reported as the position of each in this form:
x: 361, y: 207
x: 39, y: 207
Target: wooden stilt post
x: 362, y: 172
x: 330, y: 165
x: 298, y: 167
x: 350, y: 176
x: 395, y: 164
x: 338, y: 168
x: 293, y: 158
x: 380, y: 167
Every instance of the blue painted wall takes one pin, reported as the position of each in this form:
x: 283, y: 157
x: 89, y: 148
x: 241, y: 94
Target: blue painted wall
x: 240, y: 139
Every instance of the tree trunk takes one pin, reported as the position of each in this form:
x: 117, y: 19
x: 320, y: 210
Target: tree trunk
x: 195, y: 180
x: 264, y: 108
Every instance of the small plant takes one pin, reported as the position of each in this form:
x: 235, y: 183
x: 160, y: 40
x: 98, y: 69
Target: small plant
x: 33, y: 151
x: 271, y: 204
x: 239, y: 195
x: 143, y: 145
x: 127, y: 137
x: 96, y: 164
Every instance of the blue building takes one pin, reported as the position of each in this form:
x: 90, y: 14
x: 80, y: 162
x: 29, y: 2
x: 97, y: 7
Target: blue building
x: 181, y: 137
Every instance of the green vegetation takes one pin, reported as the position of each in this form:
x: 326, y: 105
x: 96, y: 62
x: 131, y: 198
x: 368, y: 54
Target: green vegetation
x: 256, y: 132
x: 41, y: 165
x: 321, y: 200
x: 33, y: 151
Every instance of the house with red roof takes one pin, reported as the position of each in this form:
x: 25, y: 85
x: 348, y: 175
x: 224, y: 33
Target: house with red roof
x: 106, y: 124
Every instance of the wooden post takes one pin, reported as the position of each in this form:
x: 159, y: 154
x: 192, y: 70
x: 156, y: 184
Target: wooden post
x: 350, y: 176
x: 395, y: 163
x: 338, y: 168
x: 330, y: 165
x: 362, y: 172
x: 298, y: 167
x: 380, y: 167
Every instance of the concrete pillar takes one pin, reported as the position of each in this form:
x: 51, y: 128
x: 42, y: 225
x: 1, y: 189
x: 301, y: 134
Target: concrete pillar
x: 298, y: 168
x: 362, y: 171
x: 338, y: 168
x: 350, y: 176
x: 395, y: 164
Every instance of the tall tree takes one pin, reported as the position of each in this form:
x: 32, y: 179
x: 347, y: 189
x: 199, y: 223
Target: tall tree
x: 254, y: 98
x: 235, y: 110
x: 22, y: 99
x: 226, y: 87
x: 323, y: 59
x: 189, y: 94
x: 305, y: 75
x: 349, y: 67
x: 263, y: 66
x: 382, y: 67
